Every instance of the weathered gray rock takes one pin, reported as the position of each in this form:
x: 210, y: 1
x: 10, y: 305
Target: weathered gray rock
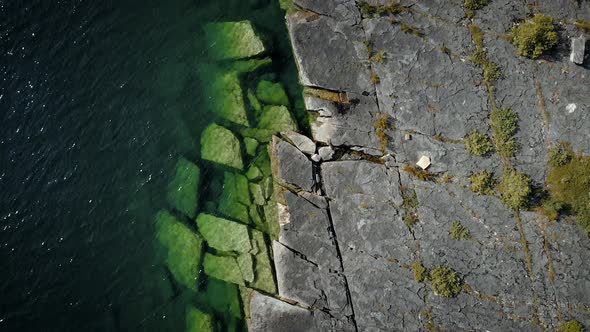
x: 578, y: 50
x: 307, y: 231
x: 302, y: 142
x: 302, y: 281
x: 291, y: 166
x: 326, y: 153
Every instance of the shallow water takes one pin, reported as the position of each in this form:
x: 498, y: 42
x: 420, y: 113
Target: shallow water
x: 98, y: 99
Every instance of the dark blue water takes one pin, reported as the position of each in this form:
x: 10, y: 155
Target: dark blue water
x: 97, y: 101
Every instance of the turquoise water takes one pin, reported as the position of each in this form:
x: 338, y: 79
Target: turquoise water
x: 98, y: 99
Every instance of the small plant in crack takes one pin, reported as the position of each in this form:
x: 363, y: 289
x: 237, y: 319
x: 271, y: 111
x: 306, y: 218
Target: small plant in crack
x: 483, y: 183
x: 420, y: 272
x: 445, y: 282
x: 459, y: 232
x: 382, y: 124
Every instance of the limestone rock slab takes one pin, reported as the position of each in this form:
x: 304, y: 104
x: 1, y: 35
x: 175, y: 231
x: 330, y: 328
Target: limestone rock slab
x: 291, y: 166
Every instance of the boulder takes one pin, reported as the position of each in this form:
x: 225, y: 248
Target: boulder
x: 198, y: 321
x: 272, y: 93
x: 184, y: 249
x: 224, y: 268
x: 326, y: 153
x: 291, y: 165
x: 251, y: 145
x: 222, y: 297
x: 221, y: 146
x: 254, y: 173
x: 224, y: 235
x: 276, y: 119
x: 232, y: 40
x: 226, y: 97
x: 302, y: 142
x: 183, y: 190
x: 235, y: 199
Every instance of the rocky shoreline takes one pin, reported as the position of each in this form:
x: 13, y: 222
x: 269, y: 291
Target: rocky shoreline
x: 370, y: 241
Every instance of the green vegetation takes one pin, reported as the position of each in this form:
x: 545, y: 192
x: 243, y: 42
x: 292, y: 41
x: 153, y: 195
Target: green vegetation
x: 483, y: 183
x: 478, y: 144
x: 410, y: 219
x: 419, y: 173
x: 569, y: 185
x: 459, y: 232
x: 445, y: 50
x: 571, y: 326
x: 534, y: 36
x: 504, y: 123
x: 559, y: 155
x: 198, y: 321
x: 393, y: 8
x: 515, y: 188
x: 379, y: 57
x: 272, y: 93
x: 411, y: 30
x: 583, y: 25
x: 551, y: 209
x: 420, y: 272
x: 491, y: 71
x: 375, y: 78
x: 410, y: 204
x: 473, y: 5
x: 382, y: 124
x: 445, y: 282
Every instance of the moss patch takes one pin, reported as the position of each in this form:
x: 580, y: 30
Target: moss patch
x: 504, y: 123
x: 419, y: 173
x: 445, y: 282
x: 534, y: 36
x: 382, y: 124
x: 478, y: 144
x: 420, y: 272
x: 559, y: 155
x: 459, y: 232
x: 515, y: 188
x: 569, y: 185
x: 571, y: 326
x: 483, y: 183
x: 583, y: 25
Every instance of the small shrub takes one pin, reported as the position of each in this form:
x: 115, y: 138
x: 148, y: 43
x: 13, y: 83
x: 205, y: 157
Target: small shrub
x: 551, y: 209
x: 445, y: 50
x: 375, y: 78
x: 459, y: 232
x: 478, y: 144
x: 420, y: 272
x: 515, y: 188
x: 445, y: 282
x: 483, y: 183
x: 583, y: 25
x: 476, y: 4
x: 419, y: 173
x: 477, y: 35
x: 491, y: 71
x: 534, y: 36
x: 571, y: 326
x: 382, y: 124
x: 378, y: 58
x: 410, y: 219
x: 504, y: 123
x: 559, y: 156
x: 410, y: 198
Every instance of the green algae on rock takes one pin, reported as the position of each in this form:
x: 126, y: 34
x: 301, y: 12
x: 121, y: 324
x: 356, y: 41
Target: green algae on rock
x: 251, y: 145
x: 276, y: 119
x: 183, y: 190
x: 226, y: 97
x: 224, y: 235
x: 221, y: 146
x: 223, y: 268
x: 223, y: 297
x: 272, y: 93
x: 233, y: 40
x: 235, y: 199
x: 198, y: 321
x: 184, y: 249
x: 264, y: 279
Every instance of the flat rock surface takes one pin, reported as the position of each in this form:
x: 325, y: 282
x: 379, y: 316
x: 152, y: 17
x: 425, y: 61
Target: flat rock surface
x: 362, y: 249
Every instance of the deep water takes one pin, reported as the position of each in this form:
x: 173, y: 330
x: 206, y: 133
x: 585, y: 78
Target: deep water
x: 98, y: 99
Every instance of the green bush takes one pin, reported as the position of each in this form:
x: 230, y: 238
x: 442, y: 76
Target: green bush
x: 551, y: 209
x: 478, y: 144
x: 445, y: 282
x: 483, y: 183
x: 534, y: 36
x: 571, y: 326
x: 476, y: 4
x: 559, y: 156
x: 420, y: 272
x: 583, y: 25
x: 459, y: 232
x: 504, y: 123
x: 515, y: 188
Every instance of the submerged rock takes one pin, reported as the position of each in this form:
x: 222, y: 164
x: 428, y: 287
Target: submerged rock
x: 235, y: 199
x: 272, y: 93
x: 221, y: 146
x: 226, y: 97
x: 224, y: 235
x: 223, y: 268
x: 232, y: 40
x: 198, y: 321
x: 184, y: 249
x: 263, y: 275
x: 183, y: 190
x: 222, y: 297
x: 251, y: 145
x: 276, y: 119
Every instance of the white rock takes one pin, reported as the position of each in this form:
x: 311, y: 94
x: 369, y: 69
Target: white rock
x: 303, y: 143
x: 571, y: 108
x: 326, y: 152
x: 316, y: 157
x: 578, y: 50
x: 424, y: 162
